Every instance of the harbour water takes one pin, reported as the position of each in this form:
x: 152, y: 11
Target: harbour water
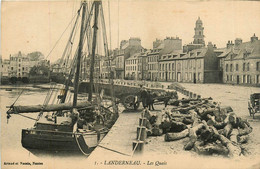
x: 13, y: 155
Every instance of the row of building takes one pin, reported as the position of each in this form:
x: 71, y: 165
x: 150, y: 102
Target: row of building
x: 197, y: 62
x: 19, y: 65
x: 168, y: 60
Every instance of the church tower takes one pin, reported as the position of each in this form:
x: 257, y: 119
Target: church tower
x: 199, y: 36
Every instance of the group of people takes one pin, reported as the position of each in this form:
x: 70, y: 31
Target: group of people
x: 147, y: 98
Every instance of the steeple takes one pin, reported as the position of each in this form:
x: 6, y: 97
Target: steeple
x: 199, y: 36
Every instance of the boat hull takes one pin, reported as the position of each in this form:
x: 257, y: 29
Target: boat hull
x: 40, y: 142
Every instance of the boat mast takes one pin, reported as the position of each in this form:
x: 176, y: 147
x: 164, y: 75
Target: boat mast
x: 91, y: 82
x: 76, y: 80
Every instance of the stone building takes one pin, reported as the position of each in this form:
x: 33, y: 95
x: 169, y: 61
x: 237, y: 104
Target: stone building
x: 132, y: 67
x: 196, y: 66
x: 20, y: 65
x: 127, y: 49
x: 242, y: 62
x: 167, y: 66
x: 5, y: 67
x: 167, y: 46
x: 153, y: 60
x: 119, y: 59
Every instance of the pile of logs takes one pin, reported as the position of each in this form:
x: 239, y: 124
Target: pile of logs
x: 211, y: 129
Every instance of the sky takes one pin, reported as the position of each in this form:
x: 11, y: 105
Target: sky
x: 29, y: 26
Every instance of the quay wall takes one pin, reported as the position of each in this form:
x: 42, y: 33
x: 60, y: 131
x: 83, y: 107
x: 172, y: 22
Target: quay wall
x: 121, y: 90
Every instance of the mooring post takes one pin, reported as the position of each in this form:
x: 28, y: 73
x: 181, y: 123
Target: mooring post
x: 138, y: 146
x: 141, y: 133
x: 142, y: 121
x: 191, y: 94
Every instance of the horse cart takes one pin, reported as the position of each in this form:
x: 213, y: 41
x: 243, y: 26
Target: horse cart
x: 254, y: 104
x: 131, y: 101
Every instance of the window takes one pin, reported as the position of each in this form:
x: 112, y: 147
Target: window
x: 231, y: 78
x: 172, y: 66
x: 19, y: 65
x: 244, y: 66
x: 179, y: 67
x: 226, y: 67
x: 257, y: 66
x: 248, y: 65
x: 186, y: 76
x: 257, y: 79
x: 199, y: 76
x: 227, y: 78
x: 169, y: 66
x: 236, y: 67
x: 231, y: 67
x: 23, y: 68
x: 248, y: 79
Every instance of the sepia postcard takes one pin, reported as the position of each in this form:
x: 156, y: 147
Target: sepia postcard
x: 101, y: 84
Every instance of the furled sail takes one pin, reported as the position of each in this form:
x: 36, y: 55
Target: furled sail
x: 48, y: 108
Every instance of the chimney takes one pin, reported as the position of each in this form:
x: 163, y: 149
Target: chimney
x: 229, y: 44
x: 238, y: 41
x: 254, y: 38
x: 210, y: 45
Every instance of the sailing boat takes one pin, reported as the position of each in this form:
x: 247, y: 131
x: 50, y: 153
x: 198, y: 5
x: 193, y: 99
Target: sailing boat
x: 69, y: 127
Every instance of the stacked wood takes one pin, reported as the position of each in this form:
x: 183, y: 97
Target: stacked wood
x: 176, y: 136
x: 211, y: 129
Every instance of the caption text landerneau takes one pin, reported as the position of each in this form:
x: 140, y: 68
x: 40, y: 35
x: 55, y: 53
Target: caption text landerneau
x: 131, y: 162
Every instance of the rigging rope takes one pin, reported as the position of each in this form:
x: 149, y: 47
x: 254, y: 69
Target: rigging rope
x: 118, y: 24
x: 61, y: 36
x: 27, y: 116
x: 17, y: 97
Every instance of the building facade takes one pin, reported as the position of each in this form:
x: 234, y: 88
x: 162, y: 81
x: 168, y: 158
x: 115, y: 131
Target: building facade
x: 19, y: 65
x: 196, y: 66
x: 242, y: 63
x: 132, y: 67
x: 167, y: 46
